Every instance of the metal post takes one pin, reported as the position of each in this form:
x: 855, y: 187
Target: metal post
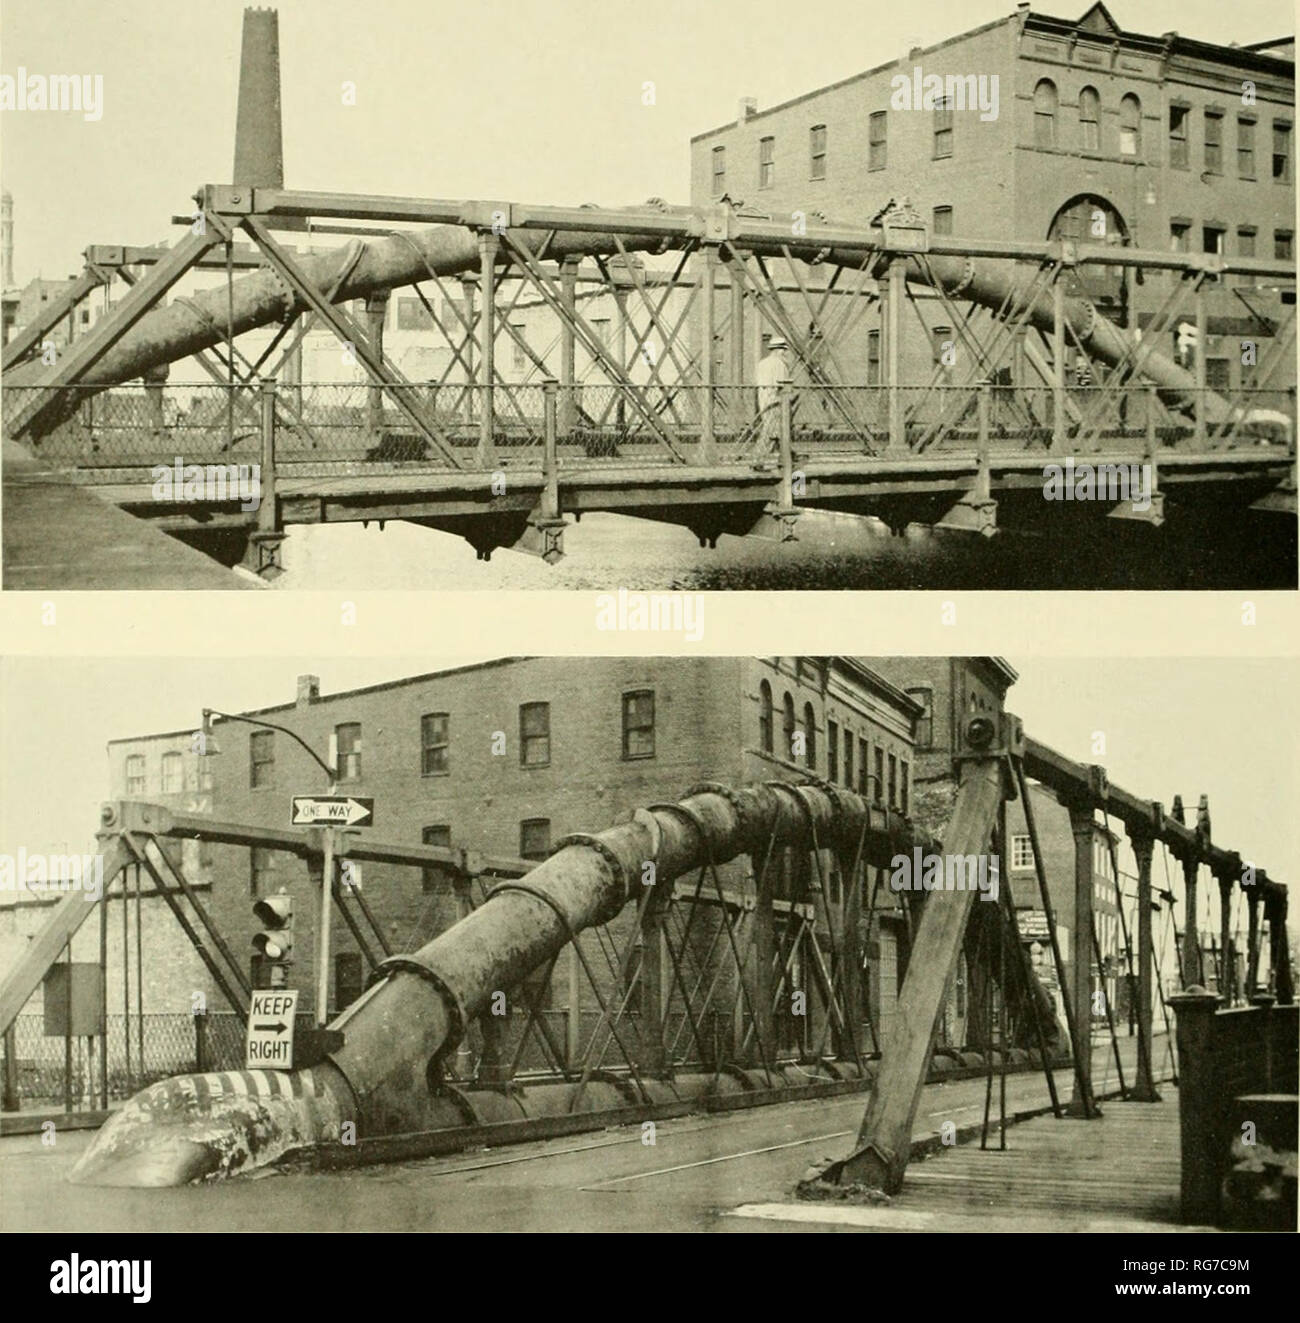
x: 1252, y: 940
x: 1191, y: 937
x: 573, y: 1024
x: 1144, y: 1088
x: 11, y: 1100
x: 487, y: 251
x: 708, y: 272
x: 983, y: 402
x: 1058, y: 364
x: 323, y: 932
x: 471, y: 369
x: 851, y: 963
x: 1201, y: 376
x: 893, y: 353
x: 267, y: 520
x: 1153, y: 411
x: 652, y: 1058
x: 1081, y: 952
x: 786, y: 396
x: 568, y: 301
x: 67, y: 1035
x: 737, y: 345
x: 126, y: 979
x: 103, y: 1001
x: 376, y: 312
x: 1225, y: 938
x: 550, y: 451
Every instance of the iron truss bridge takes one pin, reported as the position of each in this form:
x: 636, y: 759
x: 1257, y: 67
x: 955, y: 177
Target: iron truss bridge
x: 652, y: 411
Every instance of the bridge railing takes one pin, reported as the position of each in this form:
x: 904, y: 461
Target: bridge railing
x: 358, y: 427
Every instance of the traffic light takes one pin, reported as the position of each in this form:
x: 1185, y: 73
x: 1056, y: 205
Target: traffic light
x: 275, y: 940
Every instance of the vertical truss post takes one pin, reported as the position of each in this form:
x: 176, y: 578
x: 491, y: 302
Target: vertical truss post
x: 469, y: 288
x: 737, y: 341
x: 851, y: 964
x: 268, y: 536
x: 1083, y: 828
x: 569, y: 302
x: 1059, y: 420
x: 376, y: 312
x: 1144, y: 1087
x: 487, y: 250
x: 785, y: 497
x: 1224, y: 880
x: 762, y: 992
x: 1191, y: 935
x: 650, y: 940
x: 1201, y: 374
x: 708, y: 274
x: 1252, y: 940
x: 550, y: 450
x: 893, y: 354
x: 573, y: 1020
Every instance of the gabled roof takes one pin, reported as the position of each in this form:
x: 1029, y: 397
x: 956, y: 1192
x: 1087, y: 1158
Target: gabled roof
x: 1099, y: 19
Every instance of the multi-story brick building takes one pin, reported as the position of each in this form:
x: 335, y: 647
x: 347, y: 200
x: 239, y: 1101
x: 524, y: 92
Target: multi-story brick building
x: 1095, y: 133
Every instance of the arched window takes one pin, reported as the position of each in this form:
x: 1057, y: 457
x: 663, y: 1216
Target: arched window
x: 809, y: 736
x: 765, y: 716
x: 1090, y: 119
x: 788, y: 728
x: 1045, y: 113
x: 1130, y: 126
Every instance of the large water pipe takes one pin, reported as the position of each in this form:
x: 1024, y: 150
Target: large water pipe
x: 385, y: 1077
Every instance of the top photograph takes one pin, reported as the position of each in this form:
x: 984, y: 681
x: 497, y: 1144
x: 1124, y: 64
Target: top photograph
x: 961, y: 296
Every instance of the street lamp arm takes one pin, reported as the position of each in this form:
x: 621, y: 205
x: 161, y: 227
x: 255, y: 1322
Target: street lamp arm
x: 331, y: 772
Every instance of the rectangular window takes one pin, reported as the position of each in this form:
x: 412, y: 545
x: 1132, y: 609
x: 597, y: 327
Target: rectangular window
x: 893, y: 781
x: 349, y: 983
x: 848, y: 759
x: 766, y: 162
x: 1245, y: 147
x: 534, y: 734
x: 1178, y: 117
x: 1217, y: 374
x: 1022, y: 852
x: 941, y: 220
x: 879, y: 794
x: 435, y: 741
x: 873, y: 358
x: 1281, y: 152
x: 639, y: 724
x: 600, y: 327
x: 864, y: 759
x: 1179, y: 231
x: 433, y: 875
x: 1283, y: 245
x: 904, y: 786
x: 535, y: 838
x: 1214, y: 142
x: 817, y: 152
x: 135, y: 777
x: 877, y: 140
x: 719, y: 171
x: 173, y: 781
x: 942, y: 127
x: 348, y: 741
x: 261, y: 758
x: 832, y: 752
x: 261, y: 870
x: 1212, y: 237
x: 1246, y: 248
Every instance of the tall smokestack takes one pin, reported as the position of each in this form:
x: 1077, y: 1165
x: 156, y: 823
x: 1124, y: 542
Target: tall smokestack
x: 259, y: 151
x: 6, y: 240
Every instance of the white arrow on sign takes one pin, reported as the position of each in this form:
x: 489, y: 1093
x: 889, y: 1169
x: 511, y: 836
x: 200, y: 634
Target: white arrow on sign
x: 342, y: 809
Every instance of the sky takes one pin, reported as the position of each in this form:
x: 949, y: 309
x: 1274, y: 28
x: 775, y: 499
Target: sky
x: 520, y: 100
x: 1225, y: 728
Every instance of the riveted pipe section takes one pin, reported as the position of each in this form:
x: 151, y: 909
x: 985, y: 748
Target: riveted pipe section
x: 385, y: 1077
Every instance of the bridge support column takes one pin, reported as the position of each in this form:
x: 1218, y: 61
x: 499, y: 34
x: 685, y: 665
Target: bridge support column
x: 1083, y: 829
x: 544, y: 535
x: 708, y: 273
x: 897, y: 293
x: 1202, y: 328
x: 1191, y: 935
x: 849, y: 1043
x: 1224, y: 972
x: 759, y: 969
x: 653, y: 1059
x: 487, y: 250
x: 468, y: 289
x: 1252, y: 940
x: 264, y: 543
x: 376, y: 313
x: 1060, y: 423
x: 737, y: 344
x: 1144, y: 1087
x: 568, y: 415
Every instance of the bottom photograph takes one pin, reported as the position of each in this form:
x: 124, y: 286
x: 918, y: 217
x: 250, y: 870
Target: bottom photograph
x: 657, y: 944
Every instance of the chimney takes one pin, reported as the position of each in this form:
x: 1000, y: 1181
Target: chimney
x: 308, y: 690
x: 259, y: 151
x: 6, y: 240
x: 747, y: 109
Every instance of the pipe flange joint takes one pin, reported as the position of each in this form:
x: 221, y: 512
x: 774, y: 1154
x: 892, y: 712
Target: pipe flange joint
x: 455, y: 1008
x: 967, y: 275
x: 733, y: 797
x: 599, y: 846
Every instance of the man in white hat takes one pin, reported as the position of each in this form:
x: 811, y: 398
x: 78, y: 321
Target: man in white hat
x: 773, y: 368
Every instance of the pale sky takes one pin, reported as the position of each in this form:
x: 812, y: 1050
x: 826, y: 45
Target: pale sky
x: 518, y: 99
x: 1225, y: 728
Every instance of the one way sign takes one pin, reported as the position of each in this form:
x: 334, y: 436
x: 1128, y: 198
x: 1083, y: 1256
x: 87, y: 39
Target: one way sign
x: 335, y: 810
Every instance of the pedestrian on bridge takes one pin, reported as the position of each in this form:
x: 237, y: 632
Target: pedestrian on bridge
x: 773, y: 369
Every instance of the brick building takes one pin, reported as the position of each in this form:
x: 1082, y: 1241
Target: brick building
x: 1100, y: 134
